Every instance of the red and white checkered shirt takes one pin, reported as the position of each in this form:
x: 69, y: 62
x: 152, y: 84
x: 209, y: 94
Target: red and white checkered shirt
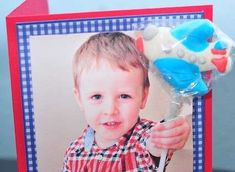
x: 127, y: 154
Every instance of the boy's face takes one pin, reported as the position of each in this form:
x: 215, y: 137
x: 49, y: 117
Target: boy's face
x: 111, y: 99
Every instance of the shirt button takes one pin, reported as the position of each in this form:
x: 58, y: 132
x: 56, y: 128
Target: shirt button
x: 99, y: 157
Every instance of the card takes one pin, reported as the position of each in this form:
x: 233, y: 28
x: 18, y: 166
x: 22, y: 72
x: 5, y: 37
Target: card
x: 46, y: 116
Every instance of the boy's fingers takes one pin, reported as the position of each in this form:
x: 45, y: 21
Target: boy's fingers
x: 169, y: 124
x: 173, y: 128
x: 169, y: 143
x: 175, y: 146
x: 180, y: 130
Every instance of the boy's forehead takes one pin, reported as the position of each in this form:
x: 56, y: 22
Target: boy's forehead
x: 96, y: 63
x: 106, y: 68
x: 104, y: 63
x: 106, y: 77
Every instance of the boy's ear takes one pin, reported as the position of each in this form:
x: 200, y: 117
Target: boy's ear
x: 145, y: 97
x: 77, y: 97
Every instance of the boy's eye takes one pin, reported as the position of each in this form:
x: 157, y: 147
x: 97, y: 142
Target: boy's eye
x: 96, y: 97
x: 125, y: 96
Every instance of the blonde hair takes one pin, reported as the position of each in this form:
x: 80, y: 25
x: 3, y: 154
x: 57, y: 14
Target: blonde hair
x: 117, y: 48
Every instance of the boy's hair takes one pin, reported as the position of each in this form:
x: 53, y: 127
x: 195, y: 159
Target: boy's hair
x: 117, y: 48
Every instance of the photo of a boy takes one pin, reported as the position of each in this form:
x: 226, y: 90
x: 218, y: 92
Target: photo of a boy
x: 111, y: 86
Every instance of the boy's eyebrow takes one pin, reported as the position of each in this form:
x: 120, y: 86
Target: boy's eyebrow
x: 128, y: 90
x: 92, y: 92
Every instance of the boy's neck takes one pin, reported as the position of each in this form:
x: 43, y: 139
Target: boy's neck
x: 104, y: 143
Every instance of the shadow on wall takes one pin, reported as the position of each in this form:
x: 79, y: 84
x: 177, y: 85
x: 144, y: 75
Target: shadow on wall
x: 8, y: 165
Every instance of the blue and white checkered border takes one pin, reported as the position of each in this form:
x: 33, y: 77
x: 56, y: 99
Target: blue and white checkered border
x: 198, y: 133
x: 61, y: 27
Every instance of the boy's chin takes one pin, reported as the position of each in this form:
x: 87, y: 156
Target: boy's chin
x: 109, y: 136
x: 105, y: 141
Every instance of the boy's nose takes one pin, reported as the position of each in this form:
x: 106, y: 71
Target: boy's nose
x: 110, y: 108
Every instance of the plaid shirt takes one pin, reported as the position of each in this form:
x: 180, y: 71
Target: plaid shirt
x: 127, y: 154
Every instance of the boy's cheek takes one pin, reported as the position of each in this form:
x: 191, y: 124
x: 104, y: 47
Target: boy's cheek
x: 91, y: 121
x: 92, y: 114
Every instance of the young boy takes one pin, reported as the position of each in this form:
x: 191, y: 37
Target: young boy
x: 111, y: 86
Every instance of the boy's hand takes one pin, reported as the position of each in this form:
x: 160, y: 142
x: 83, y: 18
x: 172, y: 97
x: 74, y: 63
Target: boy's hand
x: 171, y: 135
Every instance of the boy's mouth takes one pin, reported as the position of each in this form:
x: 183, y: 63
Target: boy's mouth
x: 111, y: 124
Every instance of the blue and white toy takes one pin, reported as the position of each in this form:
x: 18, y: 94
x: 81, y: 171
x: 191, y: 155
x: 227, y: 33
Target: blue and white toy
x: 181, y: 54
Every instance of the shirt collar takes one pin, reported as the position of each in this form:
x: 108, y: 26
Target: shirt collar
x: 90, y: 143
